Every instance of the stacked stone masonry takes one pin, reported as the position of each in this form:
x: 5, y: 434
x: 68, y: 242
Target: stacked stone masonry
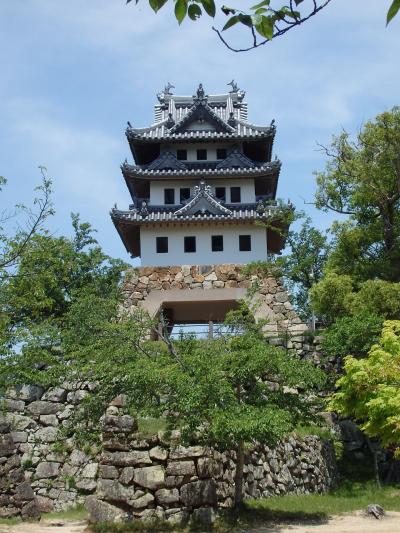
x: 17, y: 498
x: 132, y: 476
x: 266, y: 293
x: 59, y: 473
x: 157, y: 478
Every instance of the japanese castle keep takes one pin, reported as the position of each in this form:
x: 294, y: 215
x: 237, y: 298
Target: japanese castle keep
x: 202, y: 206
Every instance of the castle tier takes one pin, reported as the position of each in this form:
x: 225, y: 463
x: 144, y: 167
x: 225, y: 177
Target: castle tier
x: 203, y: 186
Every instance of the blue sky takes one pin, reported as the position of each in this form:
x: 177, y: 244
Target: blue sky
x: 73, y: 72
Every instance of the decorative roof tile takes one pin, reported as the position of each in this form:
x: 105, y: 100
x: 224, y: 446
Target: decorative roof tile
x: 166, y: 161
x: 203, y: 202
x: 237, y: 159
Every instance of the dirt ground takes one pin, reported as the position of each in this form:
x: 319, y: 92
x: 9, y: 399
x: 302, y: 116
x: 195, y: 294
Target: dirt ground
x: 348, y: 523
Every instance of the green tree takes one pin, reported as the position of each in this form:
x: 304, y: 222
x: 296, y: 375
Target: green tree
x: 362, y: 181
x: 216, y: 392
x: 51, y: 275
x: 369, y: 390
x: 302, y: 266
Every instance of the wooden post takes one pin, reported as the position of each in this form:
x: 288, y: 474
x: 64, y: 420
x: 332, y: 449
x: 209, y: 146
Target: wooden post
x: 210, y: 329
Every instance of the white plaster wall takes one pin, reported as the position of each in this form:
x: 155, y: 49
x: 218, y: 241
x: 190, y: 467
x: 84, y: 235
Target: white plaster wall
x: 157, y: 188
x: 203, y: 254
x: 192, y: 149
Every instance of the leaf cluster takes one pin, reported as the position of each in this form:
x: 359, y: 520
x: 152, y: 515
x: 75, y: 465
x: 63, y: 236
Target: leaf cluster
x: 369, y: 391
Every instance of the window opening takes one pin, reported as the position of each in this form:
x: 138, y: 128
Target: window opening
x: 235, y: 195
x: 221, y: 153
x: 181, y: 155
x: 190, y: 244
x: 169, y: 196
x: 201, y: 154
x: 245, y: 243
x: 217, y: 243
x: 162, y: 245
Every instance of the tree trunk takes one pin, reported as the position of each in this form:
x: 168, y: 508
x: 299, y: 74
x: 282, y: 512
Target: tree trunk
x: 375, y: 460
x: 239, y: 476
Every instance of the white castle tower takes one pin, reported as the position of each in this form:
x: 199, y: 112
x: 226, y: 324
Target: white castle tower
x: 202, y: 182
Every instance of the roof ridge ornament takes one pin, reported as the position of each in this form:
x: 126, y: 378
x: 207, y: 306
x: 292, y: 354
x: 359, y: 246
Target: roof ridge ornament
x: 234, y: 85
x: 165, y: 93
x: 231, y: 120
x: 200, y: 97
x: 170, y: 121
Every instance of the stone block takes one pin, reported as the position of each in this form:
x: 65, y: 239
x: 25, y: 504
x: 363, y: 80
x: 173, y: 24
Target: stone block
x: 90, y: 470
x: 56, y: 394
x: 20, y: 422
x: 199, y: 493
x: 30, y: 511
x: 49, y: 420
x: 204, y: 516
x: 19, y: 436
x: 78, y: 458
x: 126, y: 476
x: 7, y: 445
x: 28, y: 393
x: 47, y: 434
x: 76, y: 396
x: 152, y: 477
x: 111, y: 490
x: 181, y: 468
x: 14, y: 406
x: 158, y: 453
x: 108, y: 472
x: 167, y: 497
x: 86, y: 485
x: 142, y: 502
x: 182, y: 452
x: 100, y: 511
x: 134, y: 458
x: 46, y: 470
x: 41, y: 407
x: 208, y: 467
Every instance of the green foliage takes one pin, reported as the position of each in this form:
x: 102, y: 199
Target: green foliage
x: 362, y: 180
x: 303, y: 264
x: 369, y: 390
x: 393, y: 10
x: 330, y: 297
x: 55, y: 276
x: 266, y: 19
x: 354, y: 334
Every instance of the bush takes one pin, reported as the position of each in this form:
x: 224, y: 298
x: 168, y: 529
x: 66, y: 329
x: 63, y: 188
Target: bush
x: 352, y: 335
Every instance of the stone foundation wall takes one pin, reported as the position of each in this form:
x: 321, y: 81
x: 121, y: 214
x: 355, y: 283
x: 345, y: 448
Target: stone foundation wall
x: 59, y: 474
x: 284, y: 327
x: 17, y: 498
x: 156, y: 478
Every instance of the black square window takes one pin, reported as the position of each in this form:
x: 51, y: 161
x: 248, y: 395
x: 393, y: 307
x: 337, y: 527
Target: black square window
x: 235, y: 195
x: 201, y: 154
x: 184, y: 194
x: 181, y: 155
x: 245, y: 243
x: 162, y: 245
x: 221, y: 153
x: 217, y: 243
x: 169, y: 196
x: 220, y: 193
x: 190, y: 244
